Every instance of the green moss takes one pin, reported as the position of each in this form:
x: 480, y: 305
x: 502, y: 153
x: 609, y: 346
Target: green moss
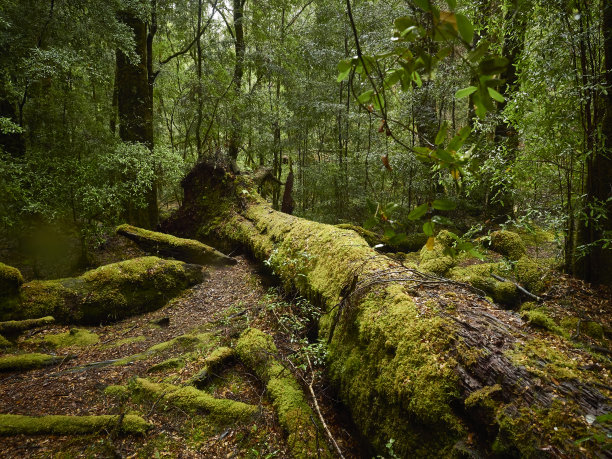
x: 370, y: 236
x: 22, y: 362
x: 169, y: 364
x: 188, y: 250
x: 110, y: 292
x: 592, y: 329
x: 482, y: 397
x: 13, y: 327
x: 130, y: 340
x: 11, y: 424
x: 212, y: 364
x: 437, y: 260
x: 257, y: 350
x: 392, y: 367
x: 530, y: 275
x: 508, y: 243
x: 117, y: 391
x: 543, y: 358
x: 4, y: 343
x: 183, y: 342
x: 191, y: 399
x: 10, y: 280
x: 480, y: 277
x: 75, y: 337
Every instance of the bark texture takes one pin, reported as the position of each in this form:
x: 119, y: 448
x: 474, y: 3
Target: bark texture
x: 439, y: 370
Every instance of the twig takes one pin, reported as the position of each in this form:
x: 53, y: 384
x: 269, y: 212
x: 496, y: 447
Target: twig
x: 521, y: 289
x: 316, y: 404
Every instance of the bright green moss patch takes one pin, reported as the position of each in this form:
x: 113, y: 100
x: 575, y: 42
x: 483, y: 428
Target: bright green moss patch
x: 480, y: 277
x: 130, y: 340
x: 538, y: 317
x: 482, y: 397
x: 20, y: 362
x: 75, y: 337
x: 110, y: 292
x: 191, y: 399
x: 257, y: 350
x: 437, y: 260
x: 183, y: 342
x: 166, y: 245
x: 217, y: 358
x: 11, y: 424
x: 117, y: 391
x: 508, y: 243
x: 543, y: 358
x: 10, y: 280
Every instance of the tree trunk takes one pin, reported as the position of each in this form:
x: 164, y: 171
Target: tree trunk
x: 135, y: 105
x: 235, y: 127
x: 439, y: 370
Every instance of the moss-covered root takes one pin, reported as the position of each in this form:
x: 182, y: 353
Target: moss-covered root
x: 10, y: 280
x: 217, y: 358
x: 107, y: 293
x: 191, y: 399
x: 12, y: 424
x: 21, y: 362
x: 14, y: 327
x: 508, y: 243
x: 165, y: 245
x: 257, y: 350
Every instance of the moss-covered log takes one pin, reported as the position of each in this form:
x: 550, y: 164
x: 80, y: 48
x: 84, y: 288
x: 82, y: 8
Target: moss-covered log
x: 13, y: 424
x: 414, y: 364
x: 108, y: 293
x: 10, y: 280
x: 14, y: 327
x: 213, y: 363
x: 191, y: 399
x: 22, y: 362
x: 165, y: 245
x: 257, y: 350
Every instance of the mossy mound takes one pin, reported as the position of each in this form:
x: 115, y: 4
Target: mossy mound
x: 538, y: 317
x: 5, y: 343
x: 11, y: 424
x: 508, y: 244
x: 10, y: 280
x: 168, y: 364
x: 257, y: 350
x: 108, y: 293
x: 479, y: 276
x: 188, y: 250
x: 531, y: 275
x: 75, y: 337
x: 191, y: 399
x: 217, y: 358
x: 21, y: 362
x: 436, y: 260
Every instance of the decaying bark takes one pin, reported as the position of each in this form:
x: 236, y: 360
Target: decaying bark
x: 432, y: 366
x: 165, y: 245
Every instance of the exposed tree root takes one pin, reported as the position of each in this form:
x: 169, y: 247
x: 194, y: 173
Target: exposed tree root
x: 11, y: 424
x: 14, y: 327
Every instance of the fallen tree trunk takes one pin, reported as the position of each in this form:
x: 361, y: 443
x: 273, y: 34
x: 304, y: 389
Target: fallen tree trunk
x: 108, y: 293
x: 15, y: 327
x: 428, y: 364
x: 187, y: 250
x: 13, y: 424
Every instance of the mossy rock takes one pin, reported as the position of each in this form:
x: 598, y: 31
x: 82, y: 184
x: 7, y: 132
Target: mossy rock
x: 108, y: 293
x: 22, y: 362
x: 508, y: 244
x: 75, y: 337
x: 11, y: 424
x: 10, y: 280
x: 479, y: 276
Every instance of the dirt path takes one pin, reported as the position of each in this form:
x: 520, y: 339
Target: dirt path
x: 229, y: 300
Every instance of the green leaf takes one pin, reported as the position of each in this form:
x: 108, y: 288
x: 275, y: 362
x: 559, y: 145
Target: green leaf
x: 481, y: 110
x: 604, y: 418
x: 457, y: 141
x: 402, y: 23
x: 444, y: 155
x: 495, y: 95
x: 343, y: 75
x: 365, y: 97
x: 393, y: 77
x: 493, y: 65
x: 444, y: 204
x: 440, y: 220
x: 370, y: 223
x: 441, y: 136
x: 428, y: 228
x: 460, y: 94
x: 418, y: 212
x: 417, y: 79
x: 452, y: 4
x: 424, y: 4
x: 466, y: 29
x: 481, y: 50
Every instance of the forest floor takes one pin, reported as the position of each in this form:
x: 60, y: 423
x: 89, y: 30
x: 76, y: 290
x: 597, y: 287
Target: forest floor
x: 228, y: 301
